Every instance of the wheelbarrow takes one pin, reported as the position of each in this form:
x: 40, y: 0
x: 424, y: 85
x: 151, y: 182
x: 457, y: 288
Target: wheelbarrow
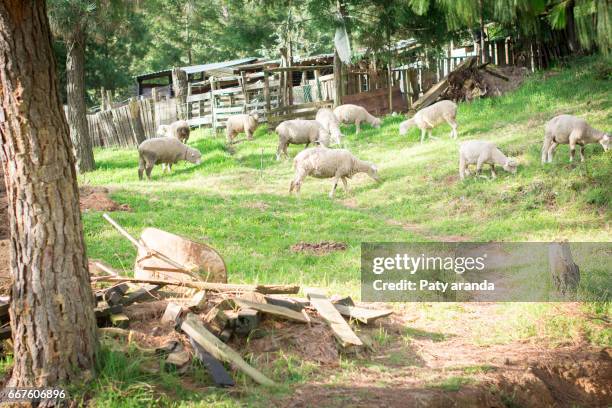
x: 166, y: 256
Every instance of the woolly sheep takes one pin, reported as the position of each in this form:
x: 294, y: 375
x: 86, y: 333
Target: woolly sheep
x: 165, y: 150
x: 246, y: 122
x: 355, y: 114
x: 428, y: 118
x: 299, y: 131
x: 479, y: 152
x: 163, y: 131
x: 568, y: 129
x: 329, y: 121
x: 338, y: 164
x: 180, y: 130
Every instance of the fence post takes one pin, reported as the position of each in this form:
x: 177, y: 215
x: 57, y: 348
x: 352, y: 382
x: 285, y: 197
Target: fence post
x: 137, y: 128
x: 267, y: 94
x: 244, y: 91
x: 213, y: 105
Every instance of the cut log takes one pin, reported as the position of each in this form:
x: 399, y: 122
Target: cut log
x: 273, y: 310
x: 140, y: 294
x: 328, y: 312
x: 178, y: 359
x: 216, y: 370
x: 103, y: 309
x: 361, y: 314
x: 196, y: 330
x: 198, y: 301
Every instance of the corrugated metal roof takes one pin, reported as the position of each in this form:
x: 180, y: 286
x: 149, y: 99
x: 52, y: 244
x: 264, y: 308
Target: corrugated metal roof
x: 204, y: 67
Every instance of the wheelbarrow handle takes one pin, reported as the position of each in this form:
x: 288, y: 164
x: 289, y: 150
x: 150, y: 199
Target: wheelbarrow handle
x: 123, y: 232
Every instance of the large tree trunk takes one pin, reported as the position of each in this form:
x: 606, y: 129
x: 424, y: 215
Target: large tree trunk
x: 77, y: 111
x: 52, y: 319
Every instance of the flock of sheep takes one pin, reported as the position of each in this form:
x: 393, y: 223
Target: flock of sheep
x: 340, y: 164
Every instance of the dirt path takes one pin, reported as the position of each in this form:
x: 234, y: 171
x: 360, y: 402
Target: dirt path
x: 423, y: 366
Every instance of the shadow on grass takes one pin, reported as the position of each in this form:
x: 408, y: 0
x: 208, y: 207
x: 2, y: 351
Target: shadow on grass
x: 422, y: 334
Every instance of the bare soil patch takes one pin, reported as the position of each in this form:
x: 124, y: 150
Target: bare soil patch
x: 97, y: 199
x: 319, y: 248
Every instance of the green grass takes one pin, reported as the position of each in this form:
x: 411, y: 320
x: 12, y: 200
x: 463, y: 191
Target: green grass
x: 239, y: 203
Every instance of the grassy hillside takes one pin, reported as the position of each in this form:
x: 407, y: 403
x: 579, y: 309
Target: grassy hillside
x: 239, y: 203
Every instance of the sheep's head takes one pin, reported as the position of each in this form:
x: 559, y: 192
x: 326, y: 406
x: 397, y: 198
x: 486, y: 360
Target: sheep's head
x: 405, y: 126
x: 193, y: 156
x: 605, y: 142
x: 324, y: 137
x: 373, y: 172
x: 511, y: 166
x: 376, y: 122
x: 254, y: 115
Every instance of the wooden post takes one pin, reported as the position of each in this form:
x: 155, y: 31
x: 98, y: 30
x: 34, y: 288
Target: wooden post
x: 154, y: 94
x: 109, y: 99
x: 179, y: 86
x: 507, y: 50
x: 245, y: 93
x: 337, y: 80
x: 317, y: 76
x: 267, y: 94
x: 213, y: 105
x: 136, y: 124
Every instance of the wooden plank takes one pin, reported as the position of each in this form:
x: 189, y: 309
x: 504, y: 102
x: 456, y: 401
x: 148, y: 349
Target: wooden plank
x: 217, y: 287
x: 328, y: 312
x: 273, y: 310
x: 361, y: 314
x: 216, y: 370
x: 196, y: 330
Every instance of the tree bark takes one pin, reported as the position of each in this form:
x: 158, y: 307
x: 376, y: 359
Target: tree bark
x: 77, y: 111
x: 52, y: 319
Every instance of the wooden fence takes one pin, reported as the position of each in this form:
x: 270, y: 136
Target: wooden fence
x: 130, y: 124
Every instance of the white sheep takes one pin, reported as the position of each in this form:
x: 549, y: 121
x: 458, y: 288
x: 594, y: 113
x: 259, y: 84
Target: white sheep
x: 164, y: 150
x: 479, y: 152
x: 163, y: 131
x: 320, y: 162
x: 568, y: 129
x: 300, y: 131
x: 329, y: 121
x: 428, y: 118
x: 246, y: 122
x: 355, y: 114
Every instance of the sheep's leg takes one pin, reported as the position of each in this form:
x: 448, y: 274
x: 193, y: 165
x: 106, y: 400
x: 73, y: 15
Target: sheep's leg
x: 279, y: 150
x: 423, y: 131
x: 249, y: 134
x: 572, y: 150
x: 551, y: 150
x: 582, y: 153
x: 493, y: 175
x: 462, y: 167
x: 148, y: 169
x: 169, y: 167
x: 344, y: 182
x: 333, y: 190
x: 545, y: 146
x: 357, y: 126
x: 141, y: 167
x: 453, y: 125
x: 479, y: 165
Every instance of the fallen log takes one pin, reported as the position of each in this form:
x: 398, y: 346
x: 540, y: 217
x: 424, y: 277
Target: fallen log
x: 217, y: 287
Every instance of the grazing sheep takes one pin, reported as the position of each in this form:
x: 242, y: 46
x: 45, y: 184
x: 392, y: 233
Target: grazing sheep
x: 163, y: 130
x: 329, y: 121
x: 338, y: 164
x: 428, y: 118
x: 568, y: 129
x: 355, y: 114
x: 165, y: 150
x: 181, y: 130
x: 246, y: 123
x: 479, y: 152
x: 299, y: 131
